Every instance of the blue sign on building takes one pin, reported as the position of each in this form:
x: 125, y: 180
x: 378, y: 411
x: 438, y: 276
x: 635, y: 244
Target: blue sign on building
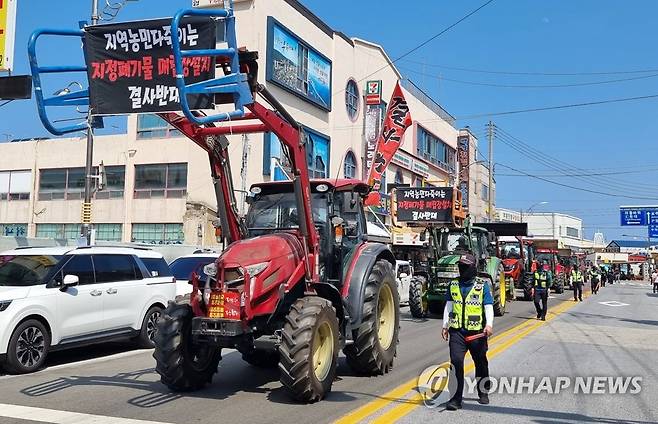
x: 652, y: 217
x: 653, y: 231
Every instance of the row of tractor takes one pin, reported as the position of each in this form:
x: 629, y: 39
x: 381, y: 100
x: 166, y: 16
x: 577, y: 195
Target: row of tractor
x: 300, y: 279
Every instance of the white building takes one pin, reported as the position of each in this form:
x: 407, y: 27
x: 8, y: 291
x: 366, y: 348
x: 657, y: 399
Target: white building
x: 507, y: 215
x: 159, y: 186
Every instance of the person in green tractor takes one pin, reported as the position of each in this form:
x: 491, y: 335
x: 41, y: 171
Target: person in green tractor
x: 543, y: 280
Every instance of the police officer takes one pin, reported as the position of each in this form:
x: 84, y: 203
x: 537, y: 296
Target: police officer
x: 469, y: 312
x: 542, y: 282
x: 577, y: 282
x: 594, y: 279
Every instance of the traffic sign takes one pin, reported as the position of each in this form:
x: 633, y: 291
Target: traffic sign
x: 653, y: 231
x: 635, y: 216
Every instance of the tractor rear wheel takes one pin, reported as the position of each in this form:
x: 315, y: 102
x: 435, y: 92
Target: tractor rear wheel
x: 261, y: 358
x: 559, y: 284
x: 376, y: 339
x: 499, y: 292
x: 182, y: 365
x: 309, y: 349
x: 417, y: 301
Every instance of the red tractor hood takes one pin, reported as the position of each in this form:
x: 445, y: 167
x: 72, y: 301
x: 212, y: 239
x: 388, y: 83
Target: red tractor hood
x: 270, y: 247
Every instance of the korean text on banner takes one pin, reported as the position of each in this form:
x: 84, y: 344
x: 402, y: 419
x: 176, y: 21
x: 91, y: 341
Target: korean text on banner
x: 131, y: 65
x: 7, y: 33
x: 398, y: 119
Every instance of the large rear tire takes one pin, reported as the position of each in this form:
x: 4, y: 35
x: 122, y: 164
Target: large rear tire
x: 182, y: 365
x: 559, y: 284
x: 499, y: 292
x: 376, y: 339
x: 417, y: 302
x: 309, y: 349
x: 528, y: 284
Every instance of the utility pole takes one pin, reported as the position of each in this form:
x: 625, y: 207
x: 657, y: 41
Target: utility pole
x: 490, y: 140
x: 86, y: 205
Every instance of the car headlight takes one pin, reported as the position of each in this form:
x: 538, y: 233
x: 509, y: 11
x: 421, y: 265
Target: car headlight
x: 4, y: 304
x: 256, y: 269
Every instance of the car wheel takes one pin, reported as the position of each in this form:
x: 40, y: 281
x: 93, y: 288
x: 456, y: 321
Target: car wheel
x: 28, y: 347
x: 149, y: 328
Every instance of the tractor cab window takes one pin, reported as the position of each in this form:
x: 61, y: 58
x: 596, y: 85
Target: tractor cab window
x: 278, y: 211
x: 457, y: 242
x: 510, y: 251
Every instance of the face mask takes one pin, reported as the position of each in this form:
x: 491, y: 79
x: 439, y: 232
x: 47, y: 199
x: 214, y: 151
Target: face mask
x: 467, y: 272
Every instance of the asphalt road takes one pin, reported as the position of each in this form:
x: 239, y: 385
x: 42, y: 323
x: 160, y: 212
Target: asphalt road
x: 116, y: 382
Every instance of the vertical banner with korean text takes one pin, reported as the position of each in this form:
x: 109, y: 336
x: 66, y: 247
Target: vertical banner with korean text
x: 464, y: 159
x: 131, y: 65
x: 398, y: 119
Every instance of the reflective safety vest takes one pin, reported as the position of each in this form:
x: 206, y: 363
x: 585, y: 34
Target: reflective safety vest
x: 541, y: 279
x: 467, y: 313
x: 577, y: 277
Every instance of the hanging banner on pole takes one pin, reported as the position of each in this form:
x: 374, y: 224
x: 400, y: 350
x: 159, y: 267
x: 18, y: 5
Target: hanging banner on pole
x: 7, y: 34
x: 398, y: 119
x: 131, y: 66
x: 464, y: 159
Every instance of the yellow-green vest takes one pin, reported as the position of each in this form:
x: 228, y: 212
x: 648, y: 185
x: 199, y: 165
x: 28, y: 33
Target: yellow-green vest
x: 541, y: 279
x: 467, y: 313
x: 577, y: 277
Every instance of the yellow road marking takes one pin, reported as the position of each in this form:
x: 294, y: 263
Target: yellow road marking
x: 416, y: 400
x: 517, y: 332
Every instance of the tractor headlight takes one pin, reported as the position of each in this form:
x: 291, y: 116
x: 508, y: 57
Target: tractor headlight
x: 4, y: 304
x: 210, y: 270
x: 255, y: 269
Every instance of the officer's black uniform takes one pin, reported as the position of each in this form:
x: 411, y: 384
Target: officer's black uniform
x: 543, y: 280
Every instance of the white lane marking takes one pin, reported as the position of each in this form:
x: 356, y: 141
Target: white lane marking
x: 53, y: 416
x: 613, y: 303
x: 84, y: 362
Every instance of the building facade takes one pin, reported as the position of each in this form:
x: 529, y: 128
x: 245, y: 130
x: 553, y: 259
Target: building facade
x: 159, y: 188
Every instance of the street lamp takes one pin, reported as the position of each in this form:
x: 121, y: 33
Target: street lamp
x: 531, y: 207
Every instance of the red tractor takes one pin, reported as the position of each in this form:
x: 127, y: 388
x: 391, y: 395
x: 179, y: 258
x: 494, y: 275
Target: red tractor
x: 546, y: 252
x: 299, y: 279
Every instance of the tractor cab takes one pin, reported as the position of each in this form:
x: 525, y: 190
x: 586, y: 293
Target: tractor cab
x: 337, y: 215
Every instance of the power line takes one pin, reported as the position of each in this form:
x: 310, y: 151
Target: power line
x: 567, y: 106
x: 587, y: 174
x: 564, y: 167
x: 426, y: 42
x: 578, y: 188
x: 565, y: 74
x: 533, y: 86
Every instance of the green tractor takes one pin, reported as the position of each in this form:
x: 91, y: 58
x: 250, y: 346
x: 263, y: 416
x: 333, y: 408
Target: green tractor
x: 448, y: 244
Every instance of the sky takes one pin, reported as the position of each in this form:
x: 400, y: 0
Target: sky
x: 495, y: 61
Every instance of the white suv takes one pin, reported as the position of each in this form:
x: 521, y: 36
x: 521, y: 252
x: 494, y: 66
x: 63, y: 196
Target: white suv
x: 55, y: 298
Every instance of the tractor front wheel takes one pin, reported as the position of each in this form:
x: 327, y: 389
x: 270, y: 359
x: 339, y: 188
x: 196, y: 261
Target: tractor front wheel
x: 376, y: 339
x: 417, y: 300
x: 182, y: 365
x: 309, y: 349
x: 528, y: 284
x: 499, y: 292
x: 559, y: 284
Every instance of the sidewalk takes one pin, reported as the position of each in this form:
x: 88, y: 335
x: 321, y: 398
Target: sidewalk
x: 617, y: 339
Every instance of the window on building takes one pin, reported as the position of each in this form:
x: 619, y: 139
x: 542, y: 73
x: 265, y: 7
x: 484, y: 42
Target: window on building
x: 485, y: 192
x: 152, y: 126
x: 349, y: 167
x: 573, y: 232
x: 158, y: 233
x: 15, y: 185
x: 108, y: 232
x: 69, y: 183
x: 13, y: 230
x: 161, y: 180
x: 435, y: 150
x: 58, y: 231
x: 352, y: 99
x: 116, y: 180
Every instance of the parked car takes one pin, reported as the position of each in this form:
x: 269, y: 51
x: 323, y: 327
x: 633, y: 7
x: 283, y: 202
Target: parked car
x: 55, y: 298
x: 183, y: 267
x: 403, y: 276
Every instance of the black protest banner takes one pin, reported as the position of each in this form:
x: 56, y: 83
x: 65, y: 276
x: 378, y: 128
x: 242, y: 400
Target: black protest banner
x: 130, y: 65
x: 424, y: 204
